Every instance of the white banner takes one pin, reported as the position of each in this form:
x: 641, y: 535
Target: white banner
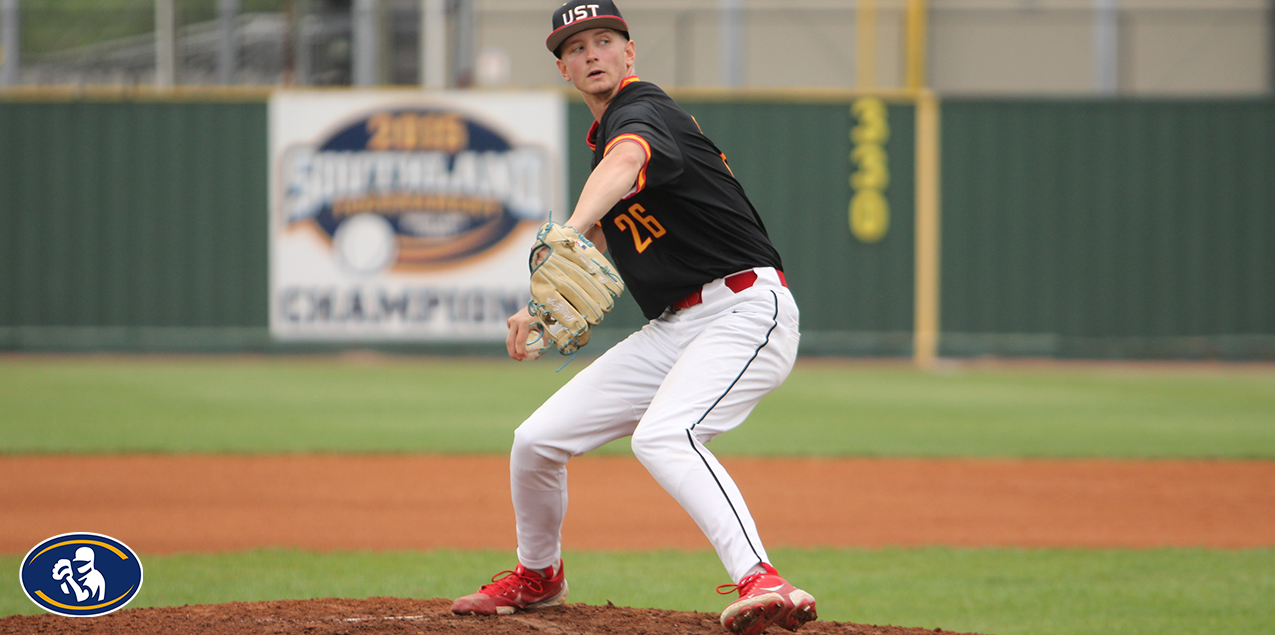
x: 400, y: 215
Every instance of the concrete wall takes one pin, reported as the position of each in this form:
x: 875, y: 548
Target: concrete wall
x: 1167, y: 47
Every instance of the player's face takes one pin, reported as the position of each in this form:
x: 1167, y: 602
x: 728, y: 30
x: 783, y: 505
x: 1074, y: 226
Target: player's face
x: 597, y: 60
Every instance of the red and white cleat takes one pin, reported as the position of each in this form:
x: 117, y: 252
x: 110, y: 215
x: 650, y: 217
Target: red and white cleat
x: 766, y: 599
x: 513, y: 591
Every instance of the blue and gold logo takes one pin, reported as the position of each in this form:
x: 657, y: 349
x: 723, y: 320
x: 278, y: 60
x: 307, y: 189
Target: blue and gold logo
x: 81, y: 575
x: 412, y: 188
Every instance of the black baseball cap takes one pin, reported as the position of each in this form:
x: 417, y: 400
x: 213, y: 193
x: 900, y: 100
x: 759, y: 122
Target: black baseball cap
x: 581, y: 15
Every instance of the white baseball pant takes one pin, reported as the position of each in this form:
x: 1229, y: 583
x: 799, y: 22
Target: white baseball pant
x: 684, y: 378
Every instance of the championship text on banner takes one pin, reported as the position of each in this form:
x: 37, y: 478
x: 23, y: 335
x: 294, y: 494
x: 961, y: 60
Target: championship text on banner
x: 407, y: 216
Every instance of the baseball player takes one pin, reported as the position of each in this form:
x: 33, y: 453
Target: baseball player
x: 92, y: 582
x: 723, y: 333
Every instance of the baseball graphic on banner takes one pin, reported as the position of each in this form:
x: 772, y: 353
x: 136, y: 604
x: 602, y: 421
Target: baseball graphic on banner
x: 366, y: 243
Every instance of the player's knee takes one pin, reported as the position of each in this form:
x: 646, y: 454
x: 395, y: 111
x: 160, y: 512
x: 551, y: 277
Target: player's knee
x: 650, y: 445
x: 532, y: 446
x: 527, y: 443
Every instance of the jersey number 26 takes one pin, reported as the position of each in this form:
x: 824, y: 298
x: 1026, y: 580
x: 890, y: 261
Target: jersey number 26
x: 629, y: 221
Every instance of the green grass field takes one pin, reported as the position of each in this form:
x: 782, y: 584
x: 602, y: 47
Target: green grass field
x: 472, y: 405
x: 273, y: 405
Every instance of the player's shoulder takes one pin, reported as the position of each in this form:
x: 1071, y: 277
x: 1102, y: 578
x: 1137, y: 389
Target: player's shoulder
x: 637, y: 94
x: 638, y: 101
x: 640, y: 94
x: 641, y: 88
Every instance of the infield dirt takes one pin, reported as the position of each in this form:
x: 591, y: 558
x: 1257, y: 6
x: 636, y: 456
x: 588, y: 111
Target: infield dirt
x: 184, y: 503
x: 194, y: 503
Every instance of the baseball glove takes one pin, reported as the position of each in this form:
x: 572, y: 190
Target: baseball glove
x: 572, y: 286
x: 62, y: 569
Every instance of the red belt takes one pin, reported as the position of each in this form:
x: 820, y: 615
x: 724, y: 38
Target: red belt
x: 735, y: 283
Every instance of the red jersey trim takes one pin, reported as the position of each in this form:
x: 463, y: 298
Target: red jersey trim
x: 646, y: 148
x: 590, y: 137
x: 592, y: 134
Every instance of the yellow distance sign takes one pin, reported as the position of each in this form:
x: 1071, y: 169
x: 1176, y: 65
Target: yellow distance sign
x: 869, y: 210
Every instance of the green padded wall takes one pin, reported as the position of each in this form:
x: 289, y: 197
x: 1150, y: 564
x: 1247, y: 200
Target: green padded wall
x: 1075, y: 228
x: 1109, y: 228
x: 132, y: 224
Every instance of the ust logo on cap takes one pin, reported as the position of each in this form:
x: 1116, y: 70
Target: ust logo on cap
x: 579, y: 12
x: 81, y: 574
x: 579, y: 15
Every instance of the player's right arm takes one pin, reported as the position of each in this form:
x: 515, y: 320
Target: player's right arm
x: 614, y: 178
x: 596, y: 237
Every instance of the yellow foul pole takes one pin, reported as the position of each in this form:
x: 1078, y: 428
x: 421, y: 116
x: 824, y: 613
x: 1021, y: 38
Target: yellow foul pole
x: 925, y: 334
x: 866, y: 34
x: 917, y: 22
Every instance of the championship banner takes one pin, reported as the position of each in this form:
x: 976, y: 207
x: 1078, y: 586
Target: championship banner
x: 408, y: 216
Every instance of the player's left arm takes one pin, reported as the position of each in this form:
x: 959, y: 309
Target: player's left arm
x: 613, y: 179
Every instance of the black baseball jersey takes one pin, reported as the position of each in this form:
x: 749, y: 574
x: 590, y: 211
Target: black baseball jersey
x: 687, y: 220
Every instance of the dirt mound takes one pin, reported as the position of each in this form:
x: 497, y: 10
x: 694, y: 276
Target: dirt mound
x: 376, y: 616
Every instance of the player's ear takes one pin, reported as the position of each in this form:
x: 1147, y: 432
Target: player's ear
x: 630, y: 53
x: 562, y: 68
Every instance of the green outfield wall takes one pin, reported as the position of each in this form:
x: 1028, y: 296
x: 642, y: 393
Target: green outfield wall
x: 132, y: 225
x: 1073, y: 228
x: 1109, y: 228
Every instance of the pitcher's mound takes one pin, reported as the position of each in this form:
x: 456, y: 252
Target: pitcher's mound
x: 375, y: 616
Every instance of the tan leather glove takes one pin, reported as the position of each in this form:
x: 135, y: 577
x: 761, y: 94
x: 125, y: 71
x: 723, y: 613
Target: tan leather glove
x: 573, y: 286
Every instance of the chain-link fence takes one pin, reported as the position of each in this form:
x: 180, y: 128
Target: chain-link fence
x: 1201, y: 49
